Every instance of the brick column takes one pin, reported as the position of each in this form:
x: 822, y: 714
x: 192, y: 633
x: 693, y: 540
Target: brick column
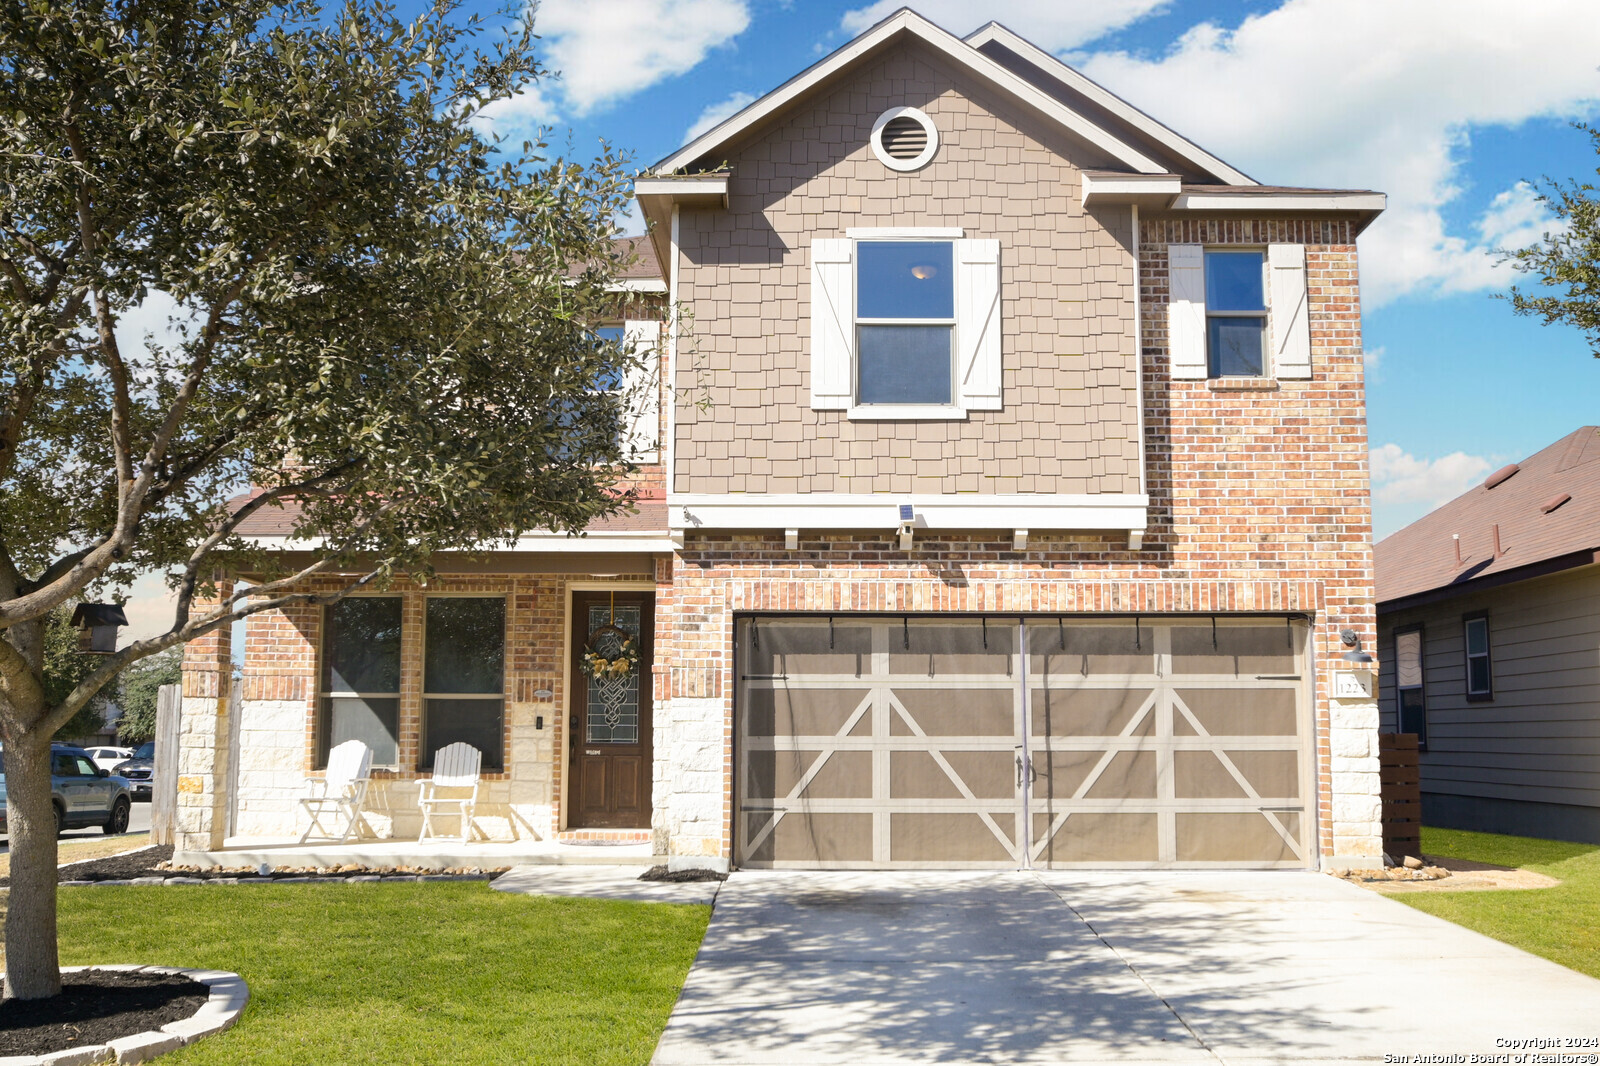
x: 202, y: 813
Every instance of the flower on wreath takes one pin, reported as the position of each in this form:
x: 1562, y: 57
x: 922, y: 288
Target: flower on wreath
x: 604, y: 658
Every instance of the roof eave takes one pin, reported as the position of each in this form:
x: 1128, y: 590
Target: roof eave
x: 1540, y: 568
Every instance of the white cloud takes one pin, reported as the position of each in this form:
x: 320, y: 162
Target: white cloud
x: 1400, y: 477
x: 149, y: 608
x: 715, y: 113
x: 1381, y: 95
x: 631, y: 219
x: 1371, y: 358
x: 606, y: 50
x: 1055, y: 25
x: 521, y: 115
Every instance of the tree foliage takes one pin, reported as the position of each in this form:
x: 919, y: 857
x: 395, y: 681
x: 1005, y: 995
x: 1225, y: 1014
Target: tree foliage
x: 65, y: 667
x: 378, y: 327
x: 1567, y: 260
x: 140, y: 689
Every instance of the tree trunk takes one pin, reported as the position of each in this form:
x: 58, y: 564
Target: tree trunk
x: 33, y: 968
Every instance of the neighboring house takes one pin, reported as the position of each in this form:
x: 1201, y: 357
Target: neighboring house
x: 1011, y: 504
x: 1489, y: 632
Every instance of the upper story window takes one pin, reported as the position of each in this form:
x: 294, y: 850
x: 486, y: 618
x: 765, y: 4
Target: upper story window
x: 1236, y: 313
x: 905, y: 322
x: 637, y: 386
x: 1480, y: 679
x: 611, y: 334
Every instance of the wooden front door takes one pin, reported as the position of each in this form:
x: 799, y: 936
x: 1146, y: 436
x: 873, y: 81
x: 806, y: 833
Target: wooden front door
x: 608, y: 735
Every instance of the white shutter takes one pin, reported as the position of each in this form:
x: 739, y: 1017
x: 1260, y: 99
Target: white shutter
x: 643, y: 390
x: 1186, y: 310
x: 978, y: 361
x: 833, y: 322
x: 1291, y: 327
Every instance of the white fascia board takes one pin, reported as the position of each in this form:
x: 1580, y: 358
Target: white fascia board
x: 951, y: 46
x: 880, y: 511
x: 1113, y: 103
x: 638, y: 285
x: 1147, y: 189
x: 1281, y: 201
x: 701, y: 186
x: 592, y: 543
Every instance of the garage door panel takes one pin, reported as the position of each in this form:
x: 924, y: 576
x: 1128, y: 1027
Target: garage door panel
x: 1095, y: 837
x: 805, y: 712
x: 1239, y: 712
x: 815, y: 838
x: 1117, y: 649
x: 949, y: 651
x: 1233, y: 650
x: 955, y: 712
x: 936, y: 838
x: 925, y: 775
x: 802, y: 651
x: 840, y: 775
x: 1237, y: 837
x: 1091, y: 712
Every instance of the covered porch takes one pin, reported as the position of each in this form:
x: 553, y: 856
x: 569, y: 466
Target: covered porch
x: 288, y: 852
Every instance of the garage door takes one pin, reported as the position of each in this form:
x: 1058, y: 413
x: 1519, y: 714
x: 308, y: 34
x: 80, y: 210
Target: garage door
x: 917, y: 742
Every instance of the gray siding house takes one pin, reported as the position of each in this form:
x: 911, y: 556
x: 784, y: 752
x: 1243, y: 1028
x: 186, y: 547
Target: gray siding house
x: 1489, y: 638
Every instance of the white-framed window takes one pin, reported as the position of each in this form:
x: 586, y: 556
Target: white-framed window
x: 1236, y: 311
x: 905, y: 324
x: 1480, y: 672
x: 639, y: 387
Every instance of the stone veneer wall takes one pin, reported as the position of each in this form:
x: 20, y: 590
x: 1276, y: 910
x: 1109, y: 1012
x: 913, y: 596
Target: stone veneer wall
x: 278, y: 709
x: 1259, y: 504
x: 1070, y: 422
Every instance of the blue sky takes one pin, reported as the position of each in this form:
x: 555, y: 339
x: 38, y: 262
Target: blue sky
x: 1448, y: 106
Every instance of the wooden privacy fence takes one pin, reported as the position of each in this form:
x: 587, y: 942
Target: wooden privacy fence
x: 1402, y: 794
x: 164, y: 779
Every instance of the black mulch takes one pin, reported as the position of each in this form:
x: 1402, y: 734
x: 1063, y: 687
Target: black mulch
x: 96, y: 1006
x: 152, y: 862
x: 662, y: 873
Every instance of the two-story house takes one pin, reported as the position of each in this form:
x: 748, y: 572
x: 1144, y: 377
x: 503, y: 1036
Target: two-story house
x: 1012, y: 508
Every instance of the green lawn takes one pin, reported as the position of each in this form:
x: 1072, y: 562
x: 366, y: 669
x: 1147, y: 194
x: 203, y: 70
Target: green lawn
x: 405, y: 973
x: 1558, y: 923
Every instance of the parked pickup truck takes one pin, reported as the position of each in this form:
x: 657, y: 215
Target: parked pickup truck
x: 82, y: 793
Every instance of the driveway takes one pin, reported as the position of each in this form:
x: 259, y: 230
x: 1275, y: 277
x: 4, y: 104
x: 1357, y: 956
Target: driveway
x: 1101, y: 967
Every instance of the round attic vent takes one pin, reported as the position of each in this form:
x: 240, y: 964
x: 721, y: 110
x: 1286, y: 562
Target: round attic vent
x: 903, y: 138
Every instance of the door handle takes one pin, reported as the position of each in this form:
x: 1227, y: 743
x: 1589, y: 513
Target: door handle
x: 1019, y: 771
x: 572, y: 733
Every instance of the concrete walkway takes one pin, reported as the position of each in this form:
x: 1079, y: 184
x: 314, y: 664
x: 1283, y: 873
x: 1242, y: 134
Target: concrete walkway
x: 1100, y: 967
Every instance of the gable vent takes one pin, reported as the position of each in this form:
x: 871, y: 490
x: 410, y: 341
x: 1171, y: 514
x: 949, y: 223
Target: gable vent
x: 904, y: 139
x: 1503, y: 474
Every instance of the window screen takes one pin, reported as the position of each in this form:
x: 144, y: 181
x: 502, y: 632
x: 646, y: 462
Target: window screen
x: 464, y: 677
x: 361, y: 677
x: 905, y: 322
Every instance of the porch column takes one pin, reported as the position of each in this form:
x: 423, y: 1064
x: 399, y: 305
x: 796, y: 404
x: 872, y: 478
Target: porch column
x: 202, y: 812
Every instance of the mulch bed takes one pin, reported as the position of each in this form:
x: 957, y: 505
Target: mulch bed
x: 662, y: 873
x: 139, y: 863
x: 157, y: 862
x: 96, y: 1006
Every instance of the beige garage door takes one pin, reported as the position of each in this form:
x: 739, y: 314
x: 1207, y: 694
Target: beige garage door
x: 918, y: 742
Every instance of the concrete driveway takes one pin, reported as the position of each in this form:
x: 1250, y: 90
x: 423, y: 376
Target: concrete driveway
x: 1099, y: 967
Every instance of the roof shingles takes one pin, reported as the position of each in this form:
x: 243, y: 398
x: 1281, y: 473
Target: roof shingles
x: 1422, y: 557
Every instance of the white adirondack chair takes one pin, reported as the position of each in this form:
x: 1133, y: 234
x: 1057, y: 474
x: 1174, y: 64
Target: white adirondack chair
x: 340, y: 791
x: 455, y: 768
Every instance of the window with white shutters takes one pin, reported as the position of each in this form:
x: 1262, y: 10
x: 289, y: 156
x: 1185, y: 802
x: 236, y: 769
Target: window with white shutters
x: 905, y: 327
x: 1238, y: 312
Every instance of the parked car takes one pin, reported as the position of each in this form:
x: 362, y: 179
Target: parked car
x: 109, y: 758
x: 82, y: 793
x: 140, y: 770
